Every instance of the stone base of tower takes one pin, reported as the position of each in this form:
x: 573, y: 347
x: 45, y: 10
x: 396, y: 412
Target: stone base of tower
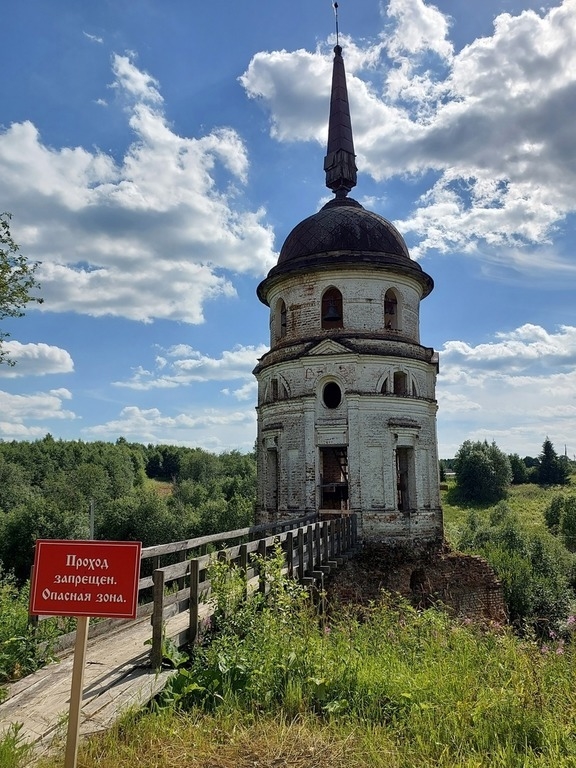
x: 425, y: 574
x: 396, y: 526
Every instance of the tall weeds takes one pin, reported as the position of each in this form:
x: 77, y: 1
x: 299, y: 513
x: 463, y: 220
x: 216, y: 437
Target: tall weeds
x: 445, y: 693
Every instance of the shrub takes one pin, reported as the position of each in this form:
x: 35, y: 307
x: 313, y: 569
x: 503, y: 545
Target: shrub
x: 483, y: 472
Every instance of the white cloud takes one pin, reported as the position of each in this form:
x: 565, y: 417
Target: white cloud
x: 16, y: 411
x: 419, y: 28
x: 520, y: 349
x: 35, y: 360
x: 93, y: 38
x: 138, y: 84
x: 149, y: 237
x: 182, y: 365
x: 492, y: 123
x: 525, y: 377
x: 212, y: 429
x: 247, y: 391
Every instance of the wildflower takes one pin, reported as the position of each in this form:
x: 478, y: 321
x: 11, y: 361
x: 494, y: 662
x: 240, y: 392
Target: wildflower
x: 544, y: 649
x: 560, y: 650
x: 571, y: 620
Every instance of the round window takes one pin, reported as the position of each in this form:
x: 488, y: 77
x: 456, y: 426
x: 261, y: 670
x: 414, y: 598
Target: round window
x: 332, y: 395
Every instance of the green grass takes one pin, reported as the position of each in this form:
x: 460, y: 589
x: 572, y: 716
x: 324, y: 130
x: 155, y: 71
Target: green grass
x: 390, y: 688
x: 161, y: 487
x: 23, y: 649
x: 527, y: 502
x: 387, y: 686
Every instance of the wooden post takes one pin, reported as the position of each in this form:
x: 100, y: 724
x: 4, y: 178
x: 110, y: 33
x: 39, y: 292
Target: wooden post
x: 262, y: 577
x: 244, y: 566
x: 76, y: 692
x: 194, y: 604
x: 348, y: 534
x: 325, y: 549
x: 181, y: 559
x: 332, y: 552
x: 301, y: 554
x: 157, y: 619
x: 290, y: 554
x: 317, y: 546
x: 310, y: 548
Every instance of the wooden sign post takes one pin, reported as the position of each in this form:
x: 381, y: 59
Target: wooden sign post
x: 83, y: 579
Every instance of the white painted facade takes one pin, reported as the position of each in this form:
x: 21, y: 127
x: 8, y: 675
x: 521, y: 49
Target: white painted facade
x: 384, y: 428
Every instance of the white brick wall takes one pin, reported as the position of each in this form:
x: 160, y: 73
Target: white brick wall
x: 371, y: 426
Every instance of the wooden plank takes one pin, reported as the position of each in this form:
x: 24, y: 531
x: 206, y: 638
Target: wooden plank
x: 157, y: 619
x: 194, y: 600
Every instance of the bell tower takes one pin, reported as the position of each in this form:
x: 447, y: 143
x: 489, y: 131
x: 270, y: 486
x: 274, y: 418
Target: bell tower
x: 346, y: 394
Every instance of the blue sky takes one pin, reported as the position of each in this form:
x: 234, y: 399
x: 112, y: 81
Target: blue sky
x: 154, y: 156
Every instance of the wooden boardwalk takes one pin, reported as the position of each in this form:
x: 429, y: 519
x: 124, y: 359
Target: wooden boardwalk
x: 123, y: 663
x: 117, y: 677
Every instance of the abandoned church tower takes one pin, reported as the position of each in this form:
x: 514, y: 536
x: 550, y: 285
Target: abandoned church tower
x: 346, y: 394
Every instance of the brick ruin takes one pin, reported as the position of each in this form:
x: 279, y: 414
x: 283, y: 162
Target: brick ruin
x: 425, y: 576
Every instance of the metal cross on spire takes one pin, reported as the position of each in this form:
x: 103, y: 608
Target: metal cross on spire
x: 335, y: 6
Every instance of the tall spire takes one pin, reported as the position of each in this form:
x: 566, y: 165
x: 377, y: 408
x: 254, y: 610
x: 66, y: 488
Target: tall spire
x: 339, y: 162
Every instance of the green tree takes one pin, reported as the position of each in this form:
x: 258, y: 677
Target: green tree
x: 552, y: 470
x: 17, y: 281
x: 560, y: 517
x: 519, y: 469
x: 38, y: 518
x: 483, y: 472
x: 553, y: 513
x: 568, y: 523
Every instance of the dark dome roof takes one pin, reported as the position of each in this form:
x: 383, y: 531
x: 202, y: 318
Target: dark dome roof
x: 343, y: 225
x: 343, y: 234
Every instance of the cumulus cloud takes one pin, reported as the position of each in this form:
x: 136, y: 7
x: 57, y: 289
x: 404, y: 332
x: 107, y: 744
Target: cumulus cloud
x: 182, y: 365
x: 35, y: 360
x: 212, y: 429
x: 17, y: 411
x: 490, y: 125
x: 155, y: 235
x: 521, y: 349
x: 525, y: 377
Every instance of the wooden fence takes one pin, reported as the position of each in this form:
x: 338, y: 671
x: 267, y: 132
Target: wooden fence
x: 311, y: 549
x: 160, y: 558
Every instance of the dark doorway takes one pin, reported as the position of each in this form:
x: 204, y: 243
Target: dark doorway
x: 334, y: 478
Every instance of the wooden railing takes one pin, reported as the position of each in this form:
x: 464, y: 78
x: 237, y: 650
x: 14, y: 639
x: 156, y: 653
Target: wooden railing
x: 311, y: 550
x: 153, y: 558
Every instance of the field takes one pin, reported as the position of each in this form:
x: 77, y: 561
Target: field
x: 527, y: 502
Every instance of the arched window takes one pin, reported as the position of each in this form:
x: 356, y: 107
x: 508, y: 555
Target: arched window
x: 400, y: 383
x: 390, y: 310
x: 331, y: 311
x: 279, y: 320
x: 384, y: 387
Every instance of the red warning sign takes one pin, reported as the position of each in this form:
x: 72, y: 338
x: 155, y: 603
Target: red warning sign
x: 85, y: 578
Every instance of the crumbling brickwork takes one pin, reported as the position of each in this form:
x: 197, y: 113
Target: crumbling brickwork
x: 465, y: 584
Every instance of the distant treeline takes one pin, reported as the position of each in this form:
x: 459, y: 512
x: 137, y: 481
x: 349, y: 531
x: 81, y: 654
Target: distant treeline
x: 46, y: 487
x: 546, y: 469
